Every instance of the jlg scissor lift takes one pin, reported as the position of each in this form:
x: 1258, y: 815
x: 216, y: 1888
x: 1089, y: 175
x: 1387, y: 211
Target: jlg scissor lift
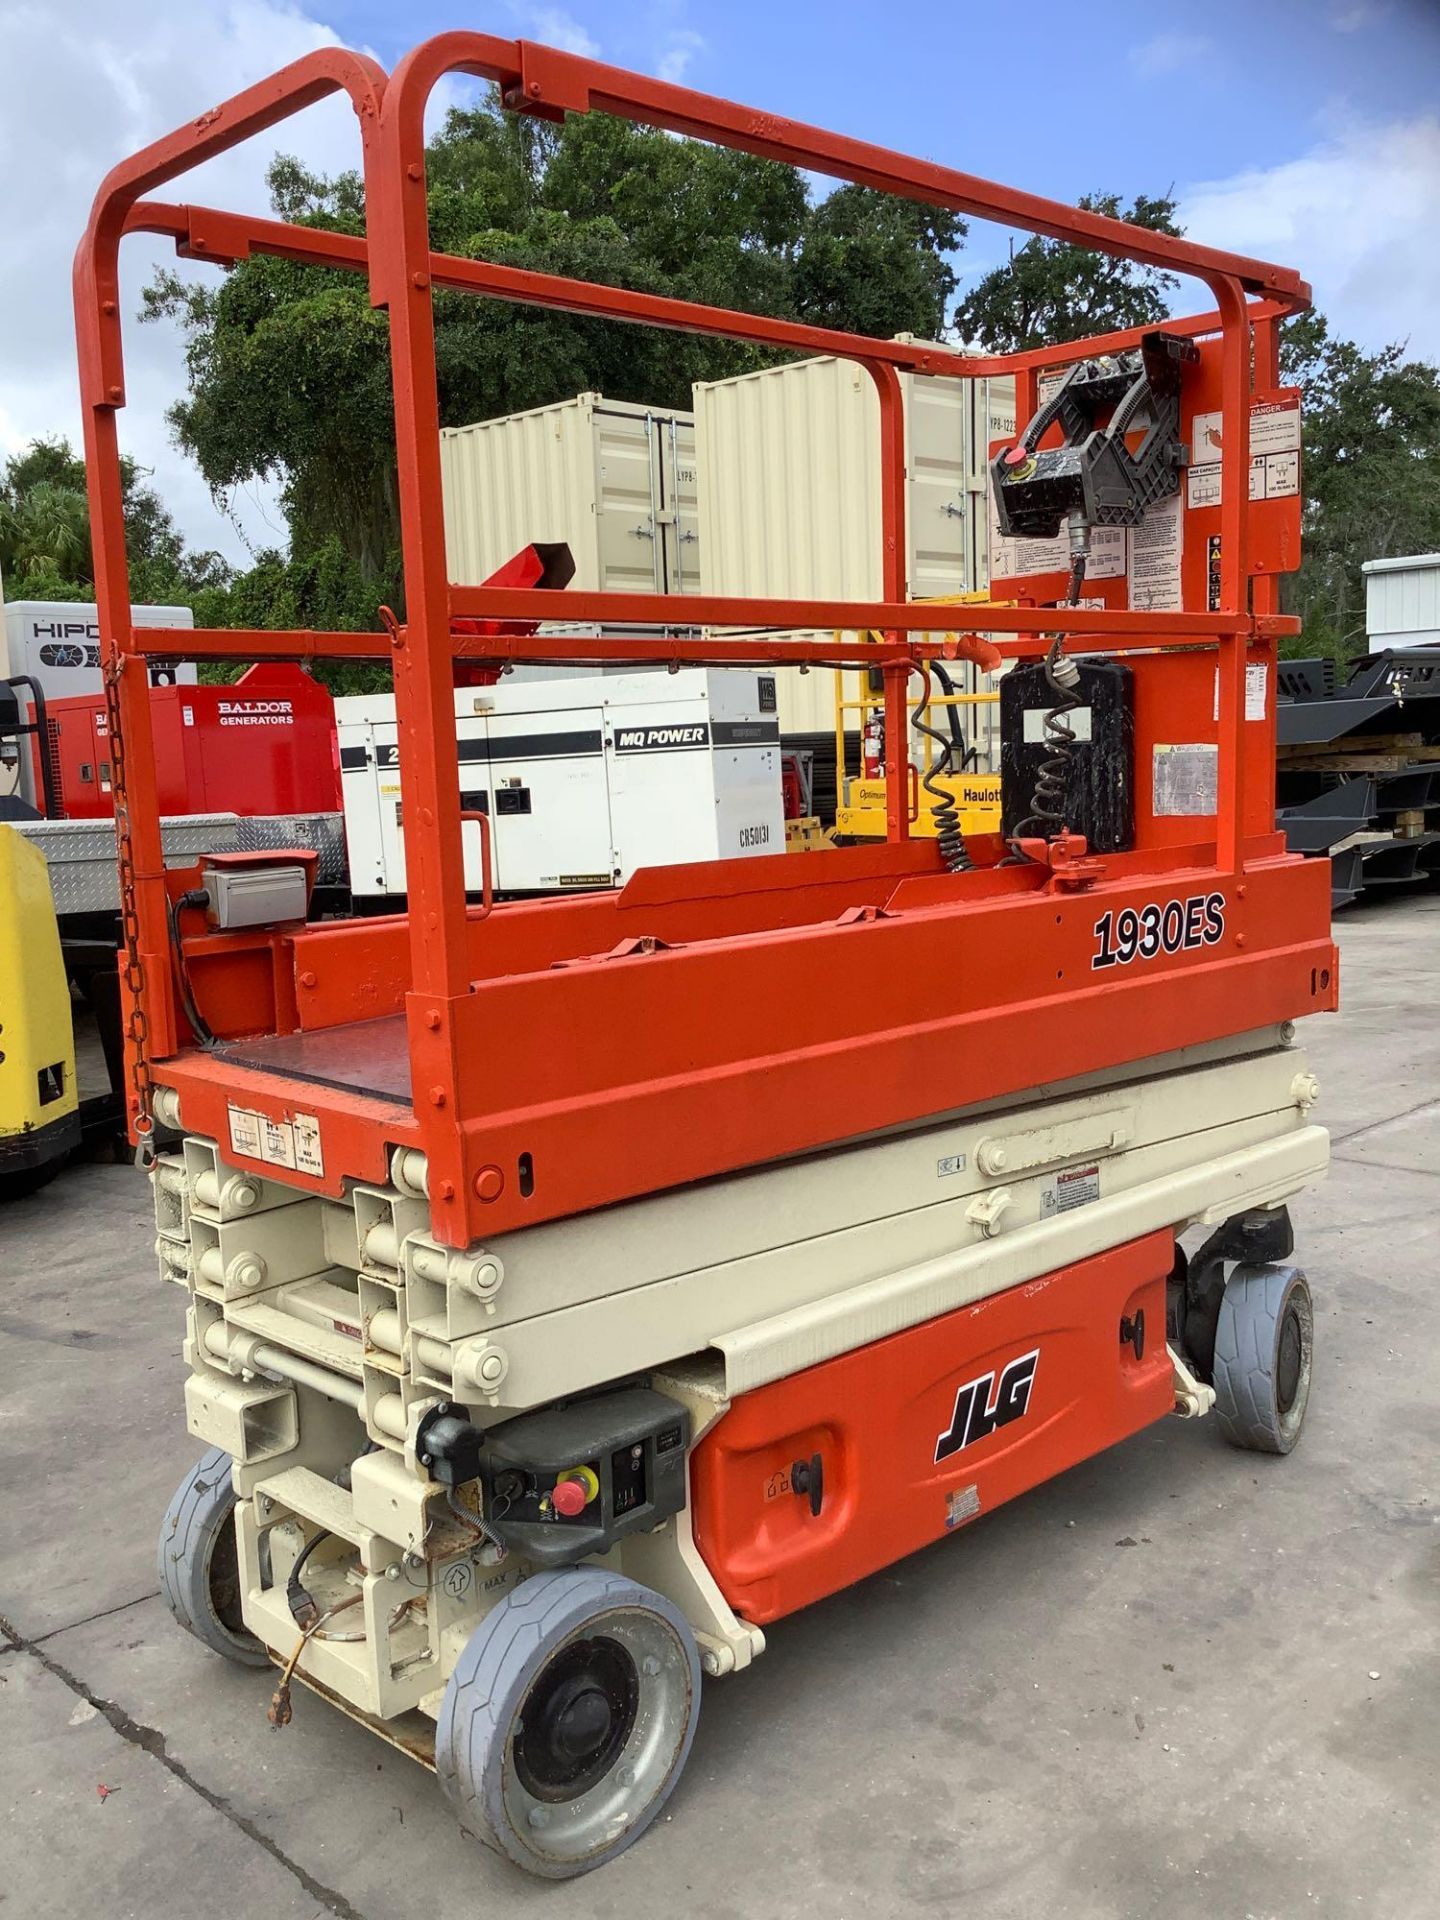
x: 576, y: 1287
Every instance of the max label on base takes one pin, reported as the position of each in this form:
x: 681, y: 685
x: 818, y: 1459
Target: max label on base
x: 293, y: 1143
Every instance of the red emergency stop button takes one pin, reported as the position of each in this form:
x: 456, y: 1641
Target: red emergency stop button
x: 1016, y: 456
x: 569, y: 1497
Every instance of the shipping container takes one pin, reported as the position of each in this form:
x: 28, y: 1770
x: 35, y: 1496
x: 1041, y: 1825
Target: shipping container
x: 1402, y: 601
x: 789, y: 463
x: 614, y: 480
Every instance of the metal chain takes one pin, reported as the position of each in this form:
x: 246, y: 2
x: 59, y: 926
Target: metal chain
x: 133, y: 973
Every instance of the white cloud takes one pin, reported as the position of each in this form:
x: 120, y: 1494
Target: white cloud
x: 86, y: 83
x: 1355, y: 217
x: 683, y: 48
x: 1169, y: 52
x: 1350, y: 18
x: 554, y: 27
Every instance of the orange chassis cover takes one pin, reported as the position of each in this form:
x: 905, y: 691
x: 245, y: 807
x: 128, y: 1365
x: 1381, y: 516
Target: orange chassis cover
x: 923, y: 1432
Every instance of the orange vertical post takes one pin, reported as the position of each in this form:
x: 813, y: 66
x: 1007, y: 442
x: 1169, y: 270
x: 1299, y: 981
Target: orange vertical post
x: 1234, y: 572
x: 895, y: 585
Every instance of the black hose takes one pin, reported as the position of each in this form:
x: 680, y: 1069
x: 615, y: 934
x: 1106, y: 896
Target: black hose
x: 199, y: 1025
x: 40, y: 727
x: 968, y: 755
x: 944, y: 810
x: 1048, y: 801
x: 302, y: 1605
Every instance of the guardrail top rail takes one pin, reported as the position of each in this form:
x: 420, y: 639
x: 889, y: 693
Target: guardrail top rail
x: 1250, y: 298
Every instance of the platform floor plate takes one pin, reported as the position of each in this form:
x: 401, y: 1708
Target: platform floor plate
x: 370, y: 1058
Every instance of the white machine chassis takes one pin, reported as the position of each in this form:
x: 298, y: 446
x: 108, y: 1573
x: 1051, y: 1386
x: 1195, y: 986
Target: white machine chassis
x: 319, y: 1329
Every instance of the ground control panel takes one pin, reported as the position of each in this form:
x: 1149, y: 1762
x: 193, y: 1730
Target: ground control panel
x: 583, y: 779
x: 570, y: 1479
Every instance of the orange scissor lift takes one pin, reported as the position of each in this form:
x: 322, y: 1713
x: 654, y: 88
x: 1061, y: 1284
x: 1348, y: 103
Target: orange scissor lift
x: 575, y: 1287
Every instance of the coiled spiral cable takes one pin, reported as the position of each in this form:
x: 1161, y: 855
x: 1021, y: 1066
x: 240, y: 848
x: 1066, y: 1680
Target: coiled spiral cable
x: 1046, y: 817
x: 944, y: 810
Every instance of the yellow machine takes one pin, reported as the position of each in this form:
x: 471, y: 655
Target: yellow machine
x: 39, y: 1100
x: 975, y: 790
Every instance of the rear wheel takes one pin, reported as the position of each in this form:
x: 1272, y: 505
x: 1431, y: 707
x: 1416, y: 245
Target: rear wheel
x: 568, y: 1719
x: 199, y: 1561
x: 1264, y: 1342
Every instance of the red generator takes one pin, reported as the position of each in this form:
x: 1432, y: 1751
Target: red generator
x: 265, y: 745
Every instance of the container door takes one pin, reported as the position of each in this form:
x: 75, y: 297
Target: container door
x: 627, y: 488
x: 992, y: 418
x: 679, y: 504
x: 939, y: 504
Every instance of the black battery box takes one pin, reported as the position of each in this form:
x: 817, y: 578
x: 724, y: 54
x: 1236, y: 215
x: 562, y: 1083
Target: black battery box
x: 1100, y: 782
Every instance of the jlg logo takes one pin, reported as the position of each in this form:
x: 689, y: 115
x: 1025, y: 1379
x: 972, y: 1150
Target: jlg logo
x: 976, y: 1415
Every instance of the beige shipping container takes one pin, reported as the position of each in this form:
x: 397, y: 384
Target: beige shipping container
x: 614, y: 480
x: 789, y: 463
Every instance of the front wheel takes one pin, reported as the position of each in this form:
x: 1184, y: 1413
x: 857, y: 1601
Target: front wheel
x: 1264, y: 1343
x: 568, y: 1718
x: 199, y: 1561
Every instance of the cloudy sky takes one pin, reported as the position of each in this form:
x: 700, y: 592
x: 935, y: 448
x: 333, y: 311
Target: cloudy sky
x: 1306, y: 131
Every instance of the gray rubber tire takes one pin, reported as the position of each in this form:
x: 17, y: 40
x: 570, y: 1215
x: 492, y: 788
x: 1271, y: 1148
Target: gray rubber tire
x: 1264, y: 1342
x: 197, y: 1566
x: 512, y: 1656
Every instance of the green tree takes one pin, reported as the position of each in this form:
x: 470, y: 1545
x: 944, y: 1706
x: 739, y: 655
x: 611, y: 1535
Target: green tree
x: 287, y: 366
x: 322, y: 590
x: 45, y: 534
x: 869, y: 258
x: 1052, y: 291
x: 1371, y: 474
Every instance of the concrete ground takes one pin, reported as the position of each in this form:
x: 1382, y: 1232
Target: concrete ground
x: 1180, y: 1680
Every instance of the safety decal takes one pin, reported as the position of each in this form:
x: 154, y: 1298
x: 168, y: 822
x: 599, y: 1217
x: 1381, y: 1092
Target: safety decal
x: 1171, y: 926
x: 291, y: 1143
x: 1185, y: 779
x: 977, y: 1414
x: 961, y: 1504
x: 1063, y: 1192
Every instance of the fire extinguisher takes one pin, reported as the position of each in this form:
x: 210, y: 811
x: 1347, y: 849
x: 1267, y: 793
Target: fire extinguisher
x: 872, y: 747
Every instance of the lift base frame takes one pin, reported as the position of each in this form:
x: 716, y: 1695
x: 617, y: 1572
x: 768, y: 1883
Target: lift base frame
x: 317, y: 1329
